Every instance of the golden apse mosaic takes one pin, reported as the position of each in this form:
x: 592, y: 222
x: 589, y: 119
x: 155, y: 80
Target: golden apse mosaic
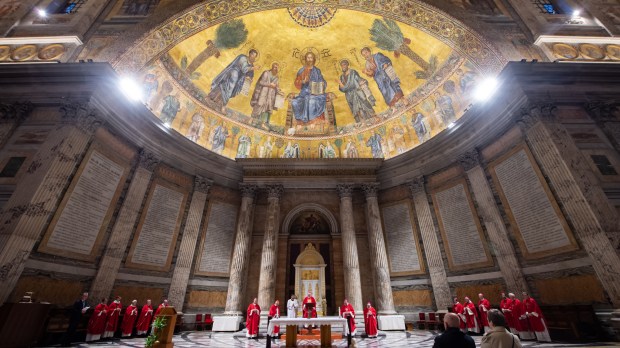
x: 309, y: 81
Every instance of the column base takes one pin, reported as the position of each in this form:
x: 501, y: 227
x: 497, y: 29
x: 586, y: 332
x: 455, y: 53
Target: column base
x: 391, y: 322
x: 615, y: 322
x: 228, y: 322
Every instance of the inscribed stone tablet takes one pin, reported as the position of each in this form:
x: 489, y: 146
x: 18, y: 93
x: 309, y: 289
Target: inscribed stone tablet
x: 217, y: 244
x: 82, y: 217
x: 460, y: 230
x: 537, y: 220
x: 401, y: 242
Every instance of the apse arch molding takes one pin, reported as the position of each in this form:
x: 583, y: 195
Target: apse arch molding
x: 293, y: 213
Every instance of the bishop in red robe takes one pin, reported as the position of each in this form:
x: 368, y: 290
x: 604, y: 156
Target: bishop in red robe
x: 252, y: 319
x: 274, y: 313
x: 129, y: 319
x: 162, y: 306
x: 459, y: 310
x: 96, y: 324
x: 483, y: 308
x: 535, y: 318
x: 146, y: 314
x: 471, y: 315
x: 370, y: 321
x: 506, y: 307
x: 114, y: 312
x: 309, y: 306
x: 347, y: 312
x: 521, y: 322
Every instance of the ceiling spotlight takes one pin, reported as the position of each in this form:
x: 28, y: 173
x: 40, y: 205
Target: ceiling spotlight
x: 576, y: 13
x: 485, y: 89
x: 41, y: 13
x: 130, y: 88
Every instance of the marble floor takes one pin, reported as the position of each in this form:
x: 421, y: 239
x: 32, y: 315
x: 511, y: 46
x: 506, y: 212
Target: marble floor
x: 421, y: 339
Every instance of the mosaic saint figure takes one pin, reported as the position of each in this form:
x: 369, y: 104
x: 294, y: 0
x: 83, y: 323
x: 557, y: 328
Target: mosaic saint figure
x: 219, y: 139
x: 195, y: 128
x: 149, y: 87
x: 171, y: 107
x: 466, y: 80
x: 380, y: 68
x: 374, y: 142
x: 310, y: 104
x: 350, y: 151
x: 229, y: 83
x: 444, y: 109
x: 266, y: 149
x: 243, y: 150
x: 357, y: 93
x: 291, y: 151
x: 264, y: 96
x: 421, y: 126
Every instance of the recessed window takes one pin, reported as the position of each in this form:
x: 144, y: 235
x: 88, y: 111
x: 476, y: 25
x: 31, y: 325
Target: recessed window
x: 603, y: 165
x: 64, y: 6
x: 545, y: 6
x: 12, y: 167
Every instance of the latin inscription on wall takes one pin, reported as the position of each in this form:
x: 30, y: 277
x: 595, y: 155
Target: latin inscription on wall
x: 401, y: 241
x: 218, y: 240
x: 460, y: 232
x: 153, y: 247
x: 90, y: 201
x: 538, y: 222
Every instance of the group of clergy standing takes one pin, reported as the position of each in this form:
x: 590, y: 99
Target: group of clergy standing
x: 104, y: 320
x: 524, y: 317
x: 308, y: 311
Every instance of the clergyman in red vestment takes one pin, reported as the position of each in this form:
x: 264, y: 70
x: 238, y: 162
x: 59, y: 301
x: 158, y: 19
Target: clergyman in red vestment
x: 274, y: 313
x: 131, y: 313
x: 370, y: 321
x: 114, y: 312
x: 535, y: 318
x: 146, y: 314
x: 309, y: 306
x: 483, y: 309
x: 96, y: 324
x: 252, y: 319
x: 459, y: 310
x: 471, y: 315
x: 162, y: 306
x: 506, y: 307
x: 347, y: 312
x: 521, y: 322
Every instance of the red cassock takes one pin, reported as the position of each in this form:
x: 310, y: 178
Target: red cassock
x: 471, y: 315
x: 518, y: 311
x: 459, y: 310
x: 309, y: 306
x: 274, y: 313
x: 483, y: 308
x: 145, y: 320
x: 114, y: 312
x: 506, y: 306
x: 536, y: 318
x: 131, y: 313
x: 252, y: 320
x: 161, y: 306
x: 96, y: 324
x: 347, y: 312
x: 370, y: 321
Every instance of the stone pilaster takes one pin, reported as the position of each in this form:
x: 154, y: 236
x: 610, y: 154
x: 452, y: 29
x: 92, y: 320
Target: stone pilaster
x: 267, y: 277
x: 378, y: 253
x: 498, y: 235
x: 436, y: 268
x: 241, y: 252
x: 350, y: 258
x: 183, y: 265
x: 11, y: 115
x: 582, y: 200
x: 24, y: 217
x: 123, y: 228
x: 607, y: 116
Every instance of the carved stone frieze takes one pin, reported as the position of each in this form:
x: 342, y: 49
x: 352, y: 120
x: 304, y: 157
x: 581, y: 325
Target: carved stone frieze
x: 148, y: 160
x: 274, y: 191
x: 345, y: 190
x: 281, y: 172
x: 82, y: 115
x: 535, y: 112
x: 248, y: 190
x: 370, y: 189
x: 202, y: 184
x: 469, y: 160
x: 15, y: 112
x: 603, y: 111
x: 417, y: 185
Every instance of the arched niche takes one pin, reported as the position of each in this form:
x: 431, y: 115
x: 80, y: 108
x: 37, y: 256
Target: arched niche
x: 310, y: 275
x: 310, y: 207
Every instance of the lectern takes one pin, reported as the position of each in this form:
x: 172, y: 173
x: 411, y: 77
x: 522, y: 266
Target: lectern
x: 165, y: 334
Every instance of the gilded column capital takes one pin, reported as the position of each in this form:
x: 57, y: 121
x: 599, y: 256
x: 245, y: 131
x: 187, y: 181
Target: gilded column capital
x: 274, y: 191
x: 248, y: 190
x: 147, y: 160
x: 536, y: 112
x: 469, y: 160
x: 202, y: 184
x: 345, y: 190
x: 602, y: 111
x: 15, y: 112
x: 417, y: 185
x: 82, y: 115
x: 370, y: 189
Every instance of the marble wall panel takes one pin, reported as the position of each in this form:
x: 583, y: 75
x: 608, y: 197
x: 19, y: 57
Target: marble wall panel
x: 491, y: 292
x: 140, y: 293
x: 207, y: 299
x: 577, y: 289
x: 413, y: 298
x: 60, y: 292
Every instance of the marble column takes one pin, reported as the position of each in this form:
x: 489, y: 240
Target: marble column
x: 492, y: 218
x: 11, y: 115
x: 350, y: 258
x: 432, y: 251
x: 582, y: 200
x: 24, y: 217
x: 183, y: 265
x: 123, y: 228
x: 241, y: 252
x: 378, y: 253
x: 267, y: 277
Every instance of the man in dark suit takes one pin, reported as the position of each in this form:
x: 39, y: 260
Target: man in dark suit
x: 453, y: 337
x: 77, y: 310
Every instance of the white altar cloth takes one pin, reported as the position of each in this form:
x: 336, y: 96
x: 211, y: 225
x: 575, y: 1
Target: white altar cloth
x: 309, y: 321
x: 391, y: 322
x: 227, y: 323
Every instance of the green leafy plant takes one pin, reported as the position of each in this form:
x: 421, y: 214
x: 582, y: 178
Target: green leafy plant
x: 158, y: 324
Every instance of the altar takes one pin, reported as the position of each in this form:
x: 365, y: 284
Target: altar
x: 325, y: 323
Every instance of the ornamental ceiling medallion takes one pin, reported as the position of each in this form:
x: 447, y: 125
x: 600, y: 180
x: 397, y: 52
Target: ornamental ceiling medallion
x: 330, y: 83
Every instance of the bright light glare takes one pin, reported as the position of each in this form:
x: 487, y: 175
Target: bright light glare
x: 576, y: 13
x: 485, y: 89
x: 41, y: 13
x: 451, y: 125
x: 131, y: 89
